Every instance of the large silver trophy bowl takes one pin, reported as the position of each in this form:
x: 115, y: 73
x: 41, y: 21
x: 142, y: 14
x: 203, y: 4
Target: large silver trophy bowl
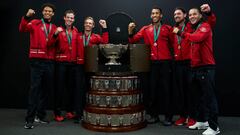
x: 113, y: 52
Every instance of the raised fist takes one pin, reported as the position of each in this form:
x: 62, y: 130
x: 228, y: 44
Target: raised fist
x: 58, y: 30
x: 131, y: 26
x: 103, y: 23
x: 205, y: 8
x: 30, y: 12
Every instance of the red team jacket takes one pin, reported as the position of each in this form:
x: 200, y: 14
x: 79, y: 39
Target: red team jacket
x: 164, y: 41
x: 38, y: 40
x: 201, y: 45
x: 183, y: 51
x: 65, y: 52
x: 94, y: 40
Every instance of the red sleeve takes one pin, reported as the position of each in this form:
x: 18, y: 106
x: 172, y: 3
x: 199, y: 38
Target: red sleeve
x: 137, y: 36
x: 101, y: 39
x: 80, y: 50
x: 52, y: 37
x: 171, y: 37
x: 53, y: 40
x: 199, y: 35
x: 25, y: 26
x: 104, y: 38
x: 211, y: 20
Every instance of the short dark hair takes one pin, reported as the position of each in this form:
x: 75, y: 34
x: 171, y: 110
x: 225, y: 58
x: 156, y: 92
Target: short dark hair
x: 198, y: 9
x: 156, y: 7
x: 48, y: 5
x: 69, y: 11
x: 180, y: 8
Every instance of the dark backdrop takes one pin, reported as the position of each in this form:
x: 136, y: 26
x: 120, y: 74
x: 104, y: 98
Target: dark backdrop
x: 14, y: 45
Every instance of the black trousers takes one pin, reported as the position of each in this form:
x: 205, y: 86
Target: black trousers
x: 144, y: 87
x: 206, y: 108
x: 80, y: 90
x: 182, y: 76
x: 42, y: 82
x: 160, y: 90
x: 65, y: 84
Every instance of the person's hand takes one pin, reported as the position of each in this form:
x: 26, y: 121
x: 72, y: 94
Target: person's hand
x: 58, y: 30
x: 30, y: 13
x: 205, y: 8
x: 131, y: 27
x: 103, y: 23
x: 175, y: 30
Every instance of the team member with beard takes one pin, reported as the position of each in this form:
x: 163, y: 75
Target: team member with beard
x: 159, y: 37
x: 41, y: 62
x: 182, y: 64
x: 203, y: 71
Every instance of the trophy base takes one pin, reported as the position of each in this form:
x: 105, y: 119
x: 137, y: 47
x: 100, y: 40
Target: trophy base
x: 114, y: 129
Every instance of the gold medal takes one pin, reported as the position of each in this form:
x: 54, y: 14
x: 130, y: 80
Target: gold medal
x: 155, y: 44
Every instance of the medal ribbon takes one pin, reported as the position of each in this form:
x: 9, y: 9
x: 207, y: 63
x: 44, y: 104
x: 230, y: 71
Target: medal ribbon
x: 84, y: 40
x: 157, y: 33
x: 45, y: 28
x: 178, y: 37
x: 69, y: 37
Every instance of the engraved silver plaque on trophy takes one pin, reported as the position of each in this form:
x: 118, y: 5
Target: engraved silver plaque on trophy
x: 119, y: 98
x: 106, y: 82
x: 118, y: 82
x: 108, y: 98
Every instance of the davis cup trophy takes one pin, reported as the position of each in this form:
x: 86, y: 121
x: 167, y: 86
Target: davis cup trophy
x: 113, y: 52
x: 114, y: 100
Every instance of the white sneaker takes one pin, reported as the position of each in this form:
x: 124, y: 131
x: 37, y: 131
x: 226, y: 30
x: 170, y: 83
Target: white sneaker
x: 42, y: 121
x: 210, y: 131
x: 199, y: 125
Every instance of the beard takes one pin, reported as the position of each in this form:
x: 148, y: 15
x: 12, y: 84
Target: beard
x: 178, y: 23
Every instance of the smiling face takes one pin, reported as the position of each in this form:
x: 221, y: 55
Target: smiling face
x: 179, y: 16
x: 156, y: 15
x: 194, y: 16
x: 47, y: 13
x: 69, y: 19
x: 88, y: 24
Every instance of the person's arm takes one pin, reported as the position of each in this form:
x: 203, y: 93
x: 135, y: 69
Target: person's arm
x: 199, y: 35
x: 171, y: 37
x: 104, y: 38
x: 135, y: 38
x: 25, y: 24
x: 54, y: 37
x: 80, y: 50
x: 211, y: 18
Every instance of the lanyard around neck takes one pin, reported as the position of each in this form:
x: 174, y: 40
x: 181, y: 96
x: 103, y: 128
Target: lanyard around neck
x: 178, y: 37
x: 157, y: 32
x: 84, y: 39
x: 69, y: 37
x: 198, y: 25
x: 45, y: 28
